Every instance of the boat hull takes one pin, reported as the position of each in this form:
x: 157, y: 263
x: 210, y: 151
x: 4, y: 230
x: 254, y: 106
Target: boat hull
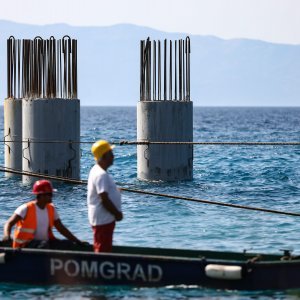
x: 33, y: 266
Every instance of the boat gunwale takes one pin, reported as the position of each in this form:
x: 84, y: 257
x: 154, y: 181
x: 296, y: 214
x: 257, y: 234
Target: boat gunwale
x: 247, y: 259
x: 93, y: 254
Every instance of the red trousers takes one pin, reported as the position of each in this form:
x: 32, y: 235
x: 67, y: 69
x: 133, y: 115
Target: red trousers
x: 103, y: 237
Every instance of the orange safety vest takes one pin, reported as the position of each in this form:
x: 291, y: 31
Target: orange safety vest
x: 25, y: 229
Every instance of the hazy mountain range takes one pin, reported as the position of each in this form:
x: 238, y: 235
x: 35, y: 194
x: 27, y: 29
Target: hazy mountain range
x: 235, y: 72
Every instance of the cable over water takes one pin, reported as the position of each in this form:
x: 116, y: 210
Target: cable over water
x: 75, y: 181
x: 213, y: 143
x: 122, y: 143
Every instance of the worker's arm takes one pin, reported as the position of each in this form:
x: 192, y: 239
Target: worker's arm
x: 8, y: 226
x: 107, y: 203
x: 65, y: 231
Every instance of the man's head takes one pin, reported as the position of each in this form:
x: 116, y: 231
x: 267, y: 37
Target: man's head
x: 102, y: 152
x: 43, y: 190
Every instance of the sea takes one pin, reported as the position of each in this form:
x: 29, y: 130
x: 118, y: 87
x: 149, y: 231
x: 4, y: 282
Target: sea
x: 263, y: 176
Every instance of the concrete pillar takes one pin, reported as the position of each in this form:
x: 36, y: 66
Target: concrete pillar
x: 13, y: 132
x: 165, y: 121
x: 45, y: 121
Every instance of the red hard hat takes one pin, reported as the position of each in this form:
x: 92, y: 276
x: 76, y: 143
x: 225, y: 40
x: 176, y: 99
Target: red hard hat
x: 42, y: 187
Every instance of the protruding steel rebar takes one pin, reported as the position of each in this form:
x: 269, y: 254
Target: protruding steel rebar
x: 14, y: 48
x: 188, y: 52
x: 34, y: 68
x: 142, y: 71
x: 159, y: 71
x: 165, y: 69
x: 8, y: 67
x: 154, y: 71
x: 74, y: 70
x: 145, y: 85
x: 19, y: 68
x: 60, y: 70
x: 180, y: 69
x: 151, y: 70
x: 170, y: 73
x: 13, y: 67
x: 183, y: 72
x: 175, y: 70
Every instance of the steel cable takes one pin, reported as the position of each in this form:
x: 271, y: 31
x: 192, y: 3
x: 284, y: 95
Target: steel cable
x: 121, y: 143
x: 75, y: 181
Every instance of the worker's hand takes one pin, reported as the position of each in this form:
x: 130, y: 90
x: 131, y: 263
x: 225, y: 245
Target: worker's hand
x: 119, y: 216
x: 83, y: 244
x: 6, y: 238
x: 6, y: 241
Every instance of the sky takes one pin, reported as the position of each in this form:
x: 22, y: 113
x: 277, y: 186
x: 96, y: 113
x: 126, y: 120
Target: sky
x: 275, y: 21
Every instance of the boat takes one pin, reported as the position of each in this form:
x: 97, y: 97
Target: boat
x: 150, y: 267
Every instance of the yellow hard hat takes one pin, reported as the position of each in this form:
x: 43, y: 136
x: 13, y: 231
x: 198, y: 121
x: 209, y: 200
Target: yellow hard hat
x: 100, y: 147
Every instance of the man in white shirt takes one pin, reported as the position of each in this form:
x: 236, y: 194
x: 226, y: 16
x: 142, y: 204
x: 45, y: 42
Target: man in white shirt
x: 34, y: 220
x: 103, y: 198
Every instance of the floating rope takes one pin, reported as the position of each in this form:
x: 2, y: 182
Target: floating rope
x: 122, y: 143
x: 74, y: 181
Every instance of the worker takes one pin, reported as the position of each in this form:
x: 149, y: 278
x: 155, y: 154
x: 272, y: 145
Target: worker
x: 103, y: 197
x: 34, y: 221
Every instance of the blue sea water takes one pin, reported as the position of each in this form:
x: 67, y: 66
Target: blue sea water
x: 259, y: 176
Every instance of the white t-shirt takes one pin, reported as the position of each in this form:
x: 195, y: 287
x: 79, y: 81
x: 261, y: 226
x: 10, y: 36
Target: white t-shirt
x: 100, y: 181
x: 42, y: 227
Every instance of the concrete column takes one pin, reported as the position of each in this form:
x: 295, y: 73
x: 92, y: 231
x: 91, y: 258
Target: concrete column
x: 13, y: 132
x: 45, y: 121
x: 165, y: 121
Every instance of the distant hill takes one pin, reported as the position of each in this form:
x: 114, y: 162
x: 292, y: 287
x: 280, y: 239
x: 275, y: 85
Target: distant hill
x: 235, y: 72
